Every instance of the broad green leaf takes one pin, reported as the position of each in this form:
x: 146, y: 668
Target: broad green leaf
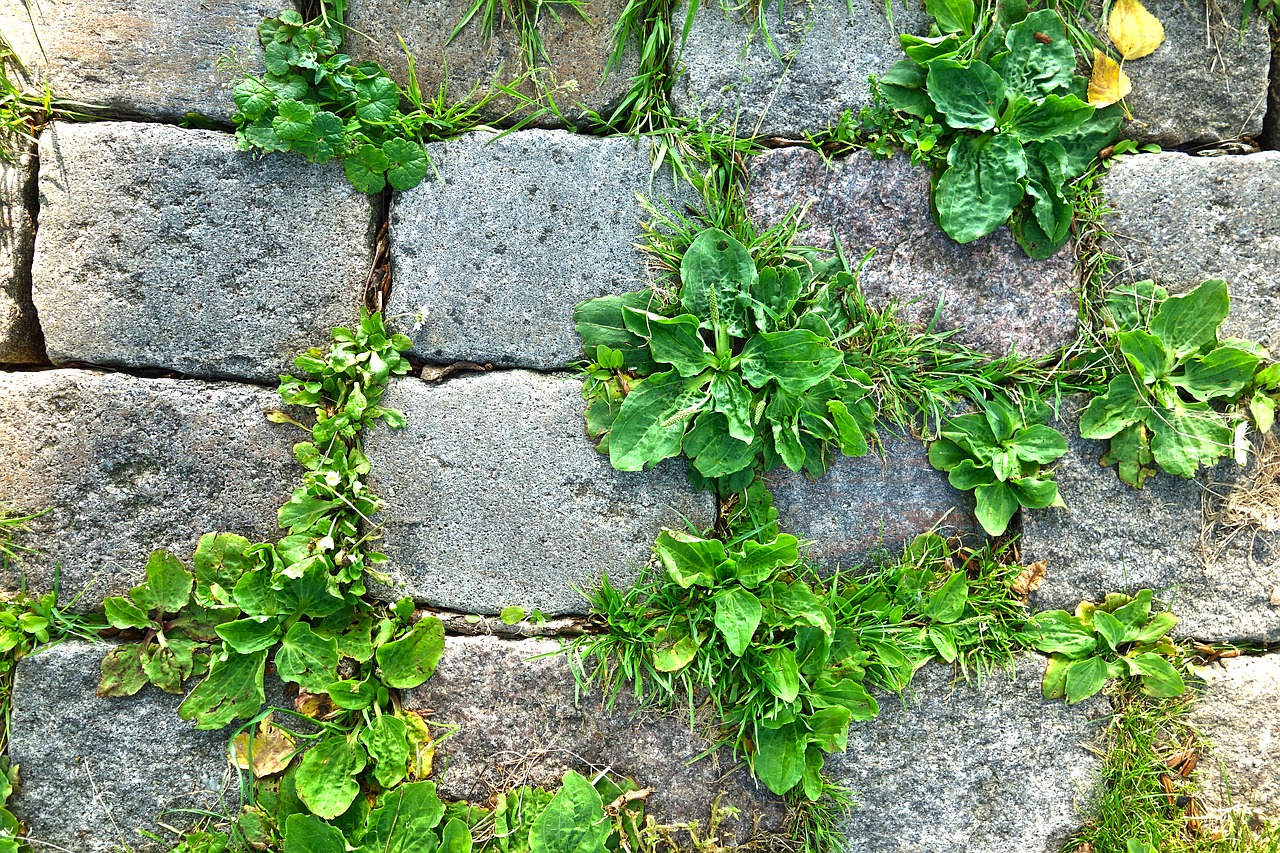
x: 405, y: 820
x: 169, y: 665
x: 781, y: 673
x: 797, y: 601
x: 251, y: 634
x: 1038, y: 121
x: 1113, y: 411
x: 849, y: 435
x: 1146, y: 354
x: 307, y: 659
x: 233, y: 689
x: 122, y: 672
x: 410, y: 660
x: 379, y: 99
x: 716, y: 453
x: 1046, y: 180
x: 302, y: 512
x: 573, y: 822
x: 366, y: 168
x: 1159, y: 625
x: 1085, y: 678
x: 651, y: 423
x: 252, y: 99
x: 293, y: 120
x: 737, y: 616
x: 407, y: 163
x: 1133, y: 616
x: 676, y: 655
x: 1054, y: 685
x: 967, y: 476
x: 123, y: 613
x: 969, y: 95
x: 1159, y: 678
x: 945, y: 454
x: 773, y: 295
x: 1039, y: 443
x: 456, y: 837
x: 1033, y: 68
x: 779, y: 761
x: 1035, y: 493
x: 599, y: 322
x: 924, y: 49
x: 716, y: 278
x: 689, y: 560
x: 980, y: 187
x: 953, y: 16
x: 994, y: 506
x: 796, y: 360
x: 327, y: 777
x: 846, y: 693
x: 307, y: 594
x: 1109, y: 628
x: 1188, y: 438
x: 733, y: 400
x: 387, y: 742
x: 1061, y: 632
x: 829, y: 728
x: 353, y: 695
x: 944, y: 641
x: 759, y: 561
x: 168, y: 586
x: 902, y: 88
x: 672, y: 340
x: 219, y: 562
x: 1222, y: 374
x: 947, y: 603
x: 1186, y: 323
x: 1130, y: 452
x: 304, y: 833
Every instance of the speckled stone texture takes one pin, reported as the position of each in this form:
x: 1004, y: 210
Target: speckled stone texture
x: 1206, y: 83
x: 991, y: 291
x: 577, y: 52
x: 983, y: 769
x: 167, y: 248
x: 20, y: 339
x: 492, y: 256
x: 1181, y: 219
x: 154, y: 59
x: 1113, y: 538
x: 494, y: 496
x: 1239, y: 715
x: 96, y: 771
x: 129, y: 465
x: 817, y: 67
x: 870, y: 504
x: 522, y: 722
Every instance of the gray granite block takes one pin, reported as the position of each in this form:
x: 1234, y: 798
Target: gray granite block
x: 20, y: 338
x: 494, y: 496
x: 129, y: 465
x: 997, y: 297
x: 167, y: 248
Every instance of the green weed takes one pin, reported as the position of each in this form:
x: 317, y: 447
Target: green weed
x: 525, y: 17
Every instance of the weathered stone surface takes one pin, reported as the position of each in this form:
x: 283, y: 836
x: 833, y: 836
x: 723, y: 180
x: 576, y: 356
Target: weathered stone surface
x: 155, y: 59
x: 1271, y: 123
x: 128, y: 465
x: 1182, y: 219
x: 522, y: 722
x: 492, y: 258
x: 20, y: 339
x: 992, y: 292
x: 494, y: 496
x: 573, y: 69
x: 1205, y: 83
x: 1239, y: 715
x: 163, y: 247
x: 1112, y: 538
x: 95, y: 771
x: 864, y: 505
x: 817, y: 68
x: 984, y: 769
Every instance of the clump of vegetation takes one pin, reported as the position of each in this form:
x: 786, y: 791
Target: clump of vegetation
x: 788, y: 658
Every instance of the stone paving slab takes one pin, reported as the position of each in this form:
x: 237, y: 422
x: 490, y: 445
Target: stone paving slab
x: 95, y: 771
x: 1239, y: 715
x: 129, y: 465
x: 154, y: 59
x: 1113, y: 538
x: 522, y: 722
x: 491, y: 258
x: 992, y: 292
x: 867, y: 504
x: 1206, y: 83
x: 817, y: 67
x: 494, y: 496
x: 20, y: 339
x: 983, y: 769
x: 167, y: 248
x: 577, y: 52
x: 1182, y: 219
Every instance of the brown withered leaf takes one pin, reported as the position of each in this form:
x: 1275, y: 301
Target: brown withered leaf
x: 1109, y: 84
x: 1133, y: 30
x: 317, y: 706
x: 1031, y: 578
x: 272, y: 749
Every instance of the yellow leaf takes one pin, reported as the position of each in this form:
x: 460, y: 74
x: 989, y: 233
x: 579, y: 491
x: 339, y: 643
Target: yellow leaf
x: 271, y: 750
x: 1109, y: 83
x: 1133, y: 30
x: 421, y: 748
